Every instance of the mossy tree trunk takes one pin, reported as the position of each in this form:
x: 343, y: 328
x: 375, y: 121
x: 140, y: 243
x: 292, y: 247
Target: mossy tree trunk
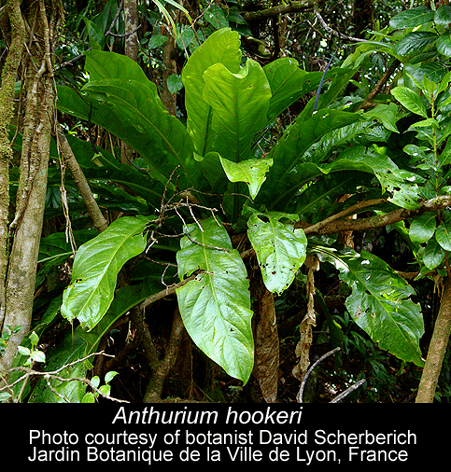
x: 437, y: 349
x: 19, y: 251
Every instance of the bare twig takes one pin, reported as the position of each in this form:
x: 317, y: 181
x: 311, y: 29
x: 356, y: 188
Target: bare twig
x: 53, y: 375
x: 98, y: 219
x: 377, y: 221
x: 283, y: 8
x: 349, y: 390
x: 352, y: 209
x: 336, y: 33
x: 339, y: 397
x: 169, y: 290
x: 124, y: 35
x: 310, y: 370
x: 121, y: 5
x: 378, y: 87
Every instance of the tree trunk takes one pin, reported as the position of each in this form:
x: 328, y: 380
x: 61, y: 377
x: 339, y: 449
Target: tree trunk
x: 437, y: 349
x: 266, y: 338
x: 25, y: 229
x: 170, y: 67
x: 8, y: 80
x: 131, y: 24
x: 131, y: 51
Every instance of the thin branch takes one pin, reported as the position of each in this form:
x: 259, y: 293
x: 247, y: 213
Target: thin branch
x: 53, y: 375
x: 169, y: 290
x: 349, y: 390
x: 352, y: 209
x: 377, y: 221
x: 121, y: 5
x: 289, y: 7
x: 378, y: 87
x: 97, y: 217
x: 310, y: 370
x: 339, y: 397
x: 125, y: 35
x: 336, y: 33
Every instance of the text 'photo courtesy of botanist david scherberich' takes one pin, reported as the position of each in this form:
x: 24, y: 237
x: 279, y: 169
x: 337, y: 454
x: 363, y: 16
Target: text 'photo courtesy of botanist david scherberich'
x: 153, y: 436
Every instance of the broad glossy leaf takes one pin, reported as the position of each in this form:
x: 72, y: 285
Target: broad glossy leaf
x: 403, y: 185
x: 223, y: 47
x: 422, y: 228
x: 410, y: 100
x: 435, y: 71
x: 289, y: 152
x: 251, y: 171
x: 413, y: 17
x: 340, y: 79
x: 78, y: 344
x: 433, y: 255
x: 386, y: 114
x: 121, y: 99
x: 213, y: 171
x: 414, y: 42
x: 139, y: 181
x: 288, y: 83
x: 443, y: 235
x: 444, y: 44
x: 108, y: 65
x: 96, y: 266
x: 380, y: 304
x: 133, y: 111
x: 240, y: 103
x: 443, y: 15
x: 174, y: 83
x: 215, y: 307
x: 280, y: 249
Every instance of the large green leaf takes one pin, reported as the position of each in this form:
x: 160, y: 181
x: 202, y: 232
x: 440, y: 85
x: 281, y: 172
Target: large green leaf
x: 122, y: 100
x: 444, y: 44
x: 410, y: 100
x: 103, y: 166
x: 223, y: 47
x: 422, y: 228
x: 108, y: 65
x: 413, y: 17
x: 288, y: 154
x: 443, y: 15
x: 240, y: 103
x: 251, y: 171
x: 414, y: 42
x: 215, y: 306
x: 288, y: 83
x: 380, y: 304
x: 434, y: 254
x: 280, y: 249
x: 134, y: 112
x: 96, y: 266
x: 443, y: 235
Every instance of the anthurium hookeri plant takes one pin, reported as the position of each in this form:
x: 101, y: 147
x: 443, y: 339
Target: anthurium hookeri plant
x: 233, y: 193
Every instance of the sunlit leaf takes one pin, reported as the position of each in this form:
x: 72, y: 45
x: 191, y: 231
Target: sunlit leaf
x: 215, y: 307
x: 96, y: 266
x: 280, y: 249
x: 380, y: 304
